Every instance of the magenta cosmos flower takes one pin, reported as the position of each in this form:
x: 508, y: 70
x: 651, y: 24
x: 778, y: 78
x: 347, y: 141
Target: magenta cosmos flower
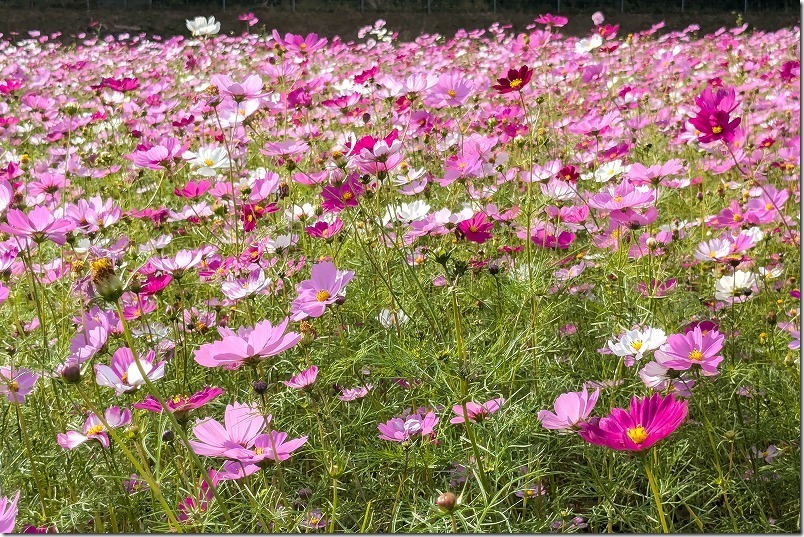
x: 267, y: 447
x: 242, y: 424
x: 94, y: 429
x: 179, y: 404
x: 124, y: 374
x: 648, y: 421
x: 8, y: 513
x: 247, y: 345
x: 477, y: 228
x: 303, y: 379
x: 403, y: 429
x: 15, y: 384
x: 713, y: 121
x: 476, y: 411
x: 571, y: 409
x: 38, y: 225
x: 685, y: 351
x: 325, y: 286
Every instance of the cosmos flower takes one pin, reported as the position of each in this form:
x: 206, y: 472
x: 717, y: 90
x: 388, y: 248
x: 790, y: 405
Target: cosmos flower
x: 8, y: 513
x: 685, y: 351
x: 515, y: 80
x: 713, y: 121
x: 267, y: 447
x: 634, y: 344
x: 94, y: 429
x: 178, y: 404
x: 475, y: 411
x: 39, y: 225
x: 247, y: 345
x: 303, y: 380
x: 571, y: 409
x: 243, y: 423
x: 403, y: 429
x: 647, y: 421
x: 124, y: 374
x: 325, y: 286
x: 201, y: 26
x: 16, y: 383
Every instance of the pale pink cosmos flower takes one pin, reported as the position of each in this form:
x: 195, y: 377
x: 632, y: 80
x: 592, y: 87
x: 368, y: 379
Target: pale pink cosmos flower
x: 267, y: 447
x: 303, y: 379
x: 571, y: 409
x: 685, y: 351
x: 242, y: 424
x: 8, y: 513
x: 247, y: 345
x: 250, y: 88
x: 403, y: 429
x: 124, y: 374
x: 475, y: 411
x: 182, y: 261
x: 40, y: 224
x: 236, y: 289
x: 352, y: 394
x: 94, y: 429
x: 16, y: 383
x: 325, y: 286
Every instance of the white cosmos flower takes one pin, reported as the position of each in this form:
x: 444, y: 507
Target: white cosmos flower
x: 208, y: 159
x: 736, y: 287
x: 609, y: 170
x: 636, y: 343
x: 201, y: 26
x: 406, y: 212
x: 589, y: 44
x: 389, y: 319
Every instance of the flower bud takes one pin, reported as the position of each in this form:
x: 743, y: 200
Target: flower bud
x: 447, y: 501
x: 260, y: 386
x: 71, y: 373
x: 168, y: 436
x: 106, y: 282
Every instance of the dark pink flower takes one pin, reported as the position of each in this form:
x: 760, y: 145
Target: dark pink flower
x: 180, y: 405
x: 303, y: 379
x: 648, y: 421
x: 475, y: 411
x: 476, y: 229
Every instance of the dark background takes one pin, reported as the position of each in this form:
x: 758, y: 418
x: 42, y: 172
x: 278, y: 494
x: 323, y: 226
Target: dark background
x: 408, y: 17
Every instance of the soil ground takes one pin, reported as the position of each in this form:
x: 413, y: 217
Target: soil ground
x: 345, y: 21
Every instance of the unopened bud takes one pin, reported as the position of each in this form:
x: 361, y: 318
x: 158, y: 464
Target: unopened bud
x: 447, y: 501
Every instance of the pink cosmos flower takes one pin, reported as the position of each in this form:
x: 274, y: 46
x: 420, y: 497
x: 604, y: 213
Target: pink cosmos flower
x: 247, y: 345
x: 8, y: 513
x: 551, y: 20
x: 337, y: 198
x: 164, y: 155
x: 571, y: 409
x: 303, y: 379
x: 325, y: 286
x: 267, y: 447
x: 403, y: 429
x: 124, y: 374
x: 40, y: 224
x: 475, y: 411
x: 648, y: 421
x: 352, y: 394
x: 15, y: 384
x: 94, y: 429
x: 684, y: 351
x: 243, y: 423
x: 179, y: 404
x: 250, y: 88
x: 477, y: 228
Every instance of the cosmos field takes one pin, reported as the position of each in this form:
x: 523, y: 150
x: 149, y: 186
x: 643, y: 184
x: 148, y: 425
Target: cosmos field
x: 495, y: 281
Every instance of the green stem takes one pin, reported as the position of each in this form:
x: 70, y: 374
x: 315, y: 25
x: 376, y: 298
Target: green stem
x: 655, y: 488
x: 29, y: 452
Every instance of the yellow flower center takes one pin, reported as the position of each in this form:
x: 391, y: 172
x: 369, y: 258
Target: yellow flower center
x: 618, y: 199
x: 177, y: 399
x: 473, y: 229
x: 768, y: 206
x: 314, y: 520
x: 717, y: 129
x: 95, y: 430
x: 737, y: 217
x: 124, y: 378
x: 208, y: 162
x: 346, y: 196
x: 515, y: 83
x: 14, y: 386
x: 637, y: 435
x: 696, y: 355
x: 322, y: 295
x: 258, y: 451
x: 451, y: 93
x: 636, y: 345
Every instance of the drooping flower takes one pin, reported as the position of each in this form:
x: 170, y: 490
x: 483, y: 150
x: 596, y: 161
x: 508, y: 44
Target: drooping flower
x: 16, y: 383
x: 571, y: 409
x: 247, y: 345
x: 124, y: 374
x: 303, y: 380
x: 243, y: 423
x: 8, y: 513
x: 685, y: 351
x: 94, y: 429
x: 403, y: 429
x: 475, y: 411
x: 647, y: 421
x: 325, y: 286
